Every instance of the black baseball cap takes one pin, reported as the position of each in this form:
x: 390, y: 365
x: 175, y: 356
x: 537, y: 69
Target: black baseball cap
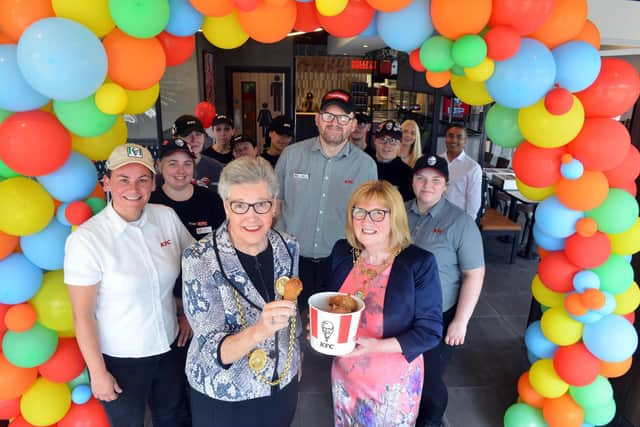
x: 389, y: 128
x: 362, y: 117
x: 239, y: 139
x: 186, y: 124
x: 282, y: 125
x: 172, y: 145
x: 433, y: 162
x: 340, y: 98
x: 222, y: 119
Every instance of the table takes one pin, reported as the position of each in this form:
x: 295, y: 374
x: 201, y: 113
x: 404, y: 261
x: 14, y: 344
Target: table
x: 518, y: 197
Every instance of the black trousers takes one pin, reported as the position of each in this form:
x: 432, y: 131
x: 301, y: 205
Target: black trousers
x: 312, y: 272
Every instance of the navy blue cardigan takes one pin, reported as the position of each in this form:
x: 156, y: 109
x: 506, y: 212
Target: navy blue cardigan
x: 413, y: 299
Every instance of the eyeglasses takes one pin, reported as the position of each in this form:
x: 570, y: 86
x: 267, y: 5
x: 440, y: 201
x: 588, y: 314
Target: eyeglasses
x: 376, y: 215
x: 342, y: 119
x: 388, y: 140
x: 242, y: 208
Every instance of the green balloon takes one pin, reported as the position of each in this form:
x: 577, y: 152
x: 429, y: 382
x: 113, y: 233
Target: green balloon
x: 435, y: 54
x: 457, y: 70
x: 30, y: 348
x: 4, y: 114
x: 469, y: 50
x: 6, y: 171
x: 140, y: 18
x: 616, y: 274
x: 600, y: 415
x: 617, y: 213
x: 502, y: 126
x: 96, y: 204
x: 83, y: 117
x: 83, y: 378
x: 595, y: 394
x: 521, y: 414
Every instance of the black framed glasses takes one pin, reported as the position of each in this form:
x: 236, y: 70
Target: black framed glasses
x: 388, y: 140
x: 342, y: 119
x: 240, y: 208
x: 376, y: 215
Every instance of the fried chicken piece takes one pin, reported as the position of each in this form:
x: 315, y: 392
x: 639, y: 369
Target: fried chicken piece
x: 342, y: 304
x: 292, y: 289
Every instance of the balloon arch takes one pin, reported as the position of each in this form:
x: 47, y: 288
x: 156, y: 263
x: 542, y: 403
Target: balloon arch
x: 70, y: 69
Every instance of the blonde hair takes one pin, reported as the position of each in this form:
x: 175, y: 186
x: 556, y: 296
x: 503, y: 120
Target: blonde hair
x: 387, y: 195
x: 416, y: 150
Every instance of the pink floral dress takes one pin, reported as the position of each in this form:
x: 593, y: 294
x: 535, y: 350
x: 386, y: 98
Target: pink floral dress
x: 377, y: 389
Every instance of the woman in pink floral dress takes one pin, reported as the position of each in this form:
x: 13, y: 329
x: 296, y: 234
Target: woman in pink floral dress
x: 379, y: 383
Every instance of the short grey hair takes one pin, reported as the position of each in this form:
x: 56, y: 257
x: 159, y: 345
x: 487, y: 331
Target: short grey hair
x: 248, y: 170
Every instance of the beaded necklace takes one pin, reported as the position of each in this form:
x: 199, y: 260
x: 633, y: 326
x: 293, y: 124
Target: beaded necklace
x: 370, y: 272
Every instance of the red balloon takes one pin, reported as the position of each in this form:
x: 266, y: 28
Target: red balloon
x: 306, y: 19
x: 34, y: 143
x: 576, y: 365
x: 246, y: 5
x: 78, y: 212
x: 19, y: 421
x: 558, y: 101
x: 354, y: 19
x: 89, y: 414
x: 414, y: 61
x: 629, y: 187
x: 556, y: 272
x: 524, y: 16
x: 536, y: 166
x: 65, y: 364
x: 269, y: 23
x: 588, y: 252
x: 206, y: 112
x: 614, y: 91
x: 631, y: 317
x: 502, y: 42
x: 601, y: 144
x: 9, y: 408
x: 176, y: 49
x: 625, y: 172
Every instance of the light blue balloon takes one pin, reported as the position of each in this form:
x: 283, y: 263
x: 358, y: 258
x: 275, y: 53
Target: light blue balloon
x: 586, y: 279
x: 184, y: 19
x: 537, y: 343
x: 81, y: 394
x: 372, y: 29
x: 46, y: 247
x: 588, y: 317
x: 555, y: 219
x: 15, y: 93
x: 20, y: 279
x: 609, y: 304
x: 577, y: 65
x: 572, y: 170
x: 628, y: 258
x: 525, y: 78
x: 74, y: 180
x: 547, y: 241
x: 532, y: 358
x: 62, y: 59
x: 60, y: 215
x: 407, y: 28
x: 612, y: 338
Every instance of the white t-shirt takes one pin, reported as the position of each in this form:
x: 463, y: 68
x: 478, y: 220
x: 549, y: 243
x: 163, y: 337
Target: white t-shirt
x: 135, y: 265
x: 465, y: 183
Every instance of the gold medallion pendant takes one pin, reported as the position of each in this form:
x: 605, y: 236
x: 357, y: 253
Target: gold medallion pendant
x: 282, y: 280
x: 257, y: 360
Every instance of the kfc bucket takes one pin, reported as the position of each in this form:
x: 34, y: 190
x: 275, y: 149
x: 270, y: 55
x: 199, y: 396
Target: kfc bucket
x: 332, y: 333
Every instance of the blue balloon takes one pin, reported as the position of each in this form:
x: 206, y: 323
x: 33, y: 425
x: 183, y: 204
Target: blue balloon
x: 184, y: 19
x: 20, y: 279
x: 612, y: 338
x: 81, y: 394
x: 46, y: 247
x: 62, y: 59
x: 15, y: 93
x: 407, y: 28
x: 532, y: 358
x: 372, y: 29
x: 537, y: 343
x: 60, y: 214
x: 588, y: 317
x: 572, y: 170
x: 525, y: 78
x: 609, y: 304
x: 547, y: 241
x: 586, y: 279
x: 627, y: 257
x: 555, y: 219
x: 74, y: 180
x: 577, y: 65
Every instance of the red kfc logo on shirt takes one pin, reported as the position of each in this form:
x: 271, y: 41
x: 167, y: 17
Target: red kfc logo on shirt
x: 165, y: 243
x: 438, y: 230
x: 348, y: 181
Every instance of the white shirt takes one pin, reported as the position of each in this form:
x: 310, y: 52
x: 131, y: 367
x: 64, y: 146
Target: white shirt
x: 135, y: 265
x: 465, y: 183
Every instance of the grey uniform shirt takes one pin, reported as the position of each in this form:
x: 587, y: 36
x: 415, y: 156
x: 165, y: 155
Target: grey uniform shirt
x: 453, y: 238
x: 315, y: 190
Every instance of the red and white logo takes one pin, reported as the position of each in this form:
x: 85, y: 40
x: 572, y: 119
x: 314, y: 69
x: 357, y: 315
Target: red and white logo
x: 165, y: 243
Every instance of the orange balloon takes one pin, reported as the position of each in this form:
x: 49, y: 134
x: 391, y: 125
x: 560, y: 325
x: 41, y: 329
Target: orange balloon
x: 593, y: 298
x: 451, y: 23
x: 584, y: 193
x: 573, y: 304
x: 5, y: 39
x: 3, y: 310
x: 565, y: 23
x: 213, y: 7
x: 267, y: 23
x: 98, y: 192
x: 615, y: 369
x: 527, y: 392
x: 17, y: 15
x: 276, y: 3
x: 20, y: 317
x: 542, y: 252
x: 586, y: 227
x: 134, y: 64
x: 562, y: 412
x: 14, y: 381
x: 589, y: 34
x: 8, y: 244
x: 438, y: 79
x: 389, y: 5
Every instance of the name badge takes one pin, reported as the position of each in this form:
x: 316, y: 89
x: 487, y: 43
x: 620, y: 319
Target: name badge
x: 203, y: 230
x: 301, y: 175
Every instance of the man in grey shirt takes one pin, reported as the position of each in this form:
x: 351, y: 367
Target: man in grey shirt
x: 445, y: 230
x: 317, y: 177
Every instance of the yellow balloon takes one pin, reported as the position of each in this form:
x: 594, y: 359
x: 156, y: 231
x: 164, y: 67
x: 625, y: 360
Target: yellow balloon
x: 628, y: 301
x: 535, y: 193
x: 99, y: 147
x: 25, y: 206
x: 482, y: 71
x: 544, y: 295
x: 625, y: 243
x: 111, y: 98
x: 470, y: 92
x: 543, y: 129
x: 224, y: 32
x: 139, y: 101
x: 545, y: 380
x: 559, y: 328
x: 92, y: 14
x: 45, y: 402
x: 331, y: 7
x: 52, y: 302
